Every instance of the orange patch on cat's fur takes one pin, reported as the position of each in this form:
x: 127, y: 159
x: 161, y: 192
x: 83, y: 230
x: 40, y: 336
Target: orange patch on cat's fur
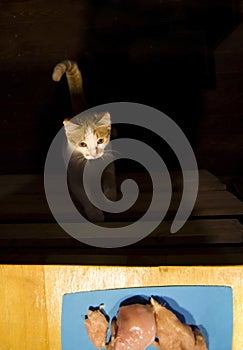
x: 103, y: 132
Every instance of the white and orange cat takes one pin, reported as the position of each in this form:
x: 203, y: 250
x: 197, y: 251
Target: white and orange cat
x: 87, y: 138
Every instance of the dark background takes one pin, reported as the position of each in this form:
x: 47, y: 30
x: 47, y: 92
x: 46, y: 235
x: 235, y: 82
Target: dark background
x: 183, y: 57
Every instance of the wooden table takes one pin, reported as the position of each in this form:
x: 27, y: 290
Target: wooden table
x: 31, y: 296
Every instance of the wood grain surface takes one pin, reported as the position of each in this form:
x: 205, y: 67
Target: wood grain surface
x: 31, y: 296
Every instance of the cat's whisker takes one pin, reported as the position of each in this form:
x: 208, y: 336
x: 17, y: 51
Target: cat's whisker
x: 110, y: 151
x: 107, y: 150
x: 108, y: 156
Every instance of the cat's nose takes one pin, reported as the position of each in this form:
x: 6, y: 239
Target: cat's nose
x: 93, y: 153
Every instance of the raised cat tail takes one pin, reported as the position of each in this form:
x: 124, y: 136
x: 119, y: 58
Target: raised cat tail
x: 75, y: 83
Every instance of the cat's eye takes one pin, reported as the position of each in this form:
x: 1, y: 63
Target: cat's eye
x: 100, y: 141
x: 83, y: 144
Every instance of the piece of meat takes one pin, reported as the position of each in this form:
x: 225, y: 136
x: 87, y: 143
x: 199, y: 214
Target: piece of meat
x: 96, y: 326
x: 200, y: 343
x: 134, y: 328
x: 137, y: 325
x: 172, y: 334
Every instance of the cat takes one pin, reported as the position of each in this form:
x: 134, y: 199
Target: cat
x: 87, y: 139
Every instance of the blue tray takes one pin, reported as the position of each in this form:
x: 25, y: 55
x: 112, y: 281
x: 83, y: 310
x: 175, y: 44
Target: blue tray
x: 208, y: 307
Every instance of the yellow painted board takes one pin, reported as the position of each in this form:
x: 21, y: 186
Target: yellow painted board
x: 31, y: 296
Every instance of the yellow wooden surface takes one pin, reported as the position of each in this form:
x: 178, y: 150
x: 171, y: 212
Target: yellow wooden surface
x: 31, y: 296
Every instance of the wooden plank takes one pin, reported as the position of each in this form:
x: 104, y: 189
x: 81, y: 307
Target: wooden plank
x: 20, y: 304
x: 31, y: 296
x: 193, y: 232
x: 24, y: 200
x: 199, y: 232
x: 27, y: 207
x: 192, y: 256
x: 218, y: 203
x: 21, y: 183
x: 209, y: 182
x: 160, y: 255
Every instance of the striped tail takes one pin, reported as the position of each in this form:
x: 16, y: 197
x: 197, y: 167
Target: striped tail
x: 75, y: 83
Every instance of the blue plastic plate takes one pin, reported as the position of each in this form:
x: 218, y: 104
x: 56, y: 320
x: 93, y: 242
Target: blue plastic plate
x: 208, y: 307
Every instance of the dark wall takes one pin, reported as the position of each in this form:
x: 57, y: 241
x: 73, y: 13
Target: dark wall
x: 182, y: 57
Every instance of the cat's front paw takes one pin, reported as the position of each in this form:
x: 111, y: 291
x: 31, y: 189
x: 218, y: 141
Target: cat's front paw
x: 95, y: 215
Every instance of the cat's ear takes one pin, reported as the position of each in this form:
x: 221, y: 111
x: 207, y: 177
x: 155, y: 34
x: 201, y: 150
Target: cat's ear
x: 69, y: 126
x: 104, y: 119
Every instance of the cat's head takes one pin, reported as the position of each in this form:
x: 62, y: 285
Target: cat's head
x: 89, y: 134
